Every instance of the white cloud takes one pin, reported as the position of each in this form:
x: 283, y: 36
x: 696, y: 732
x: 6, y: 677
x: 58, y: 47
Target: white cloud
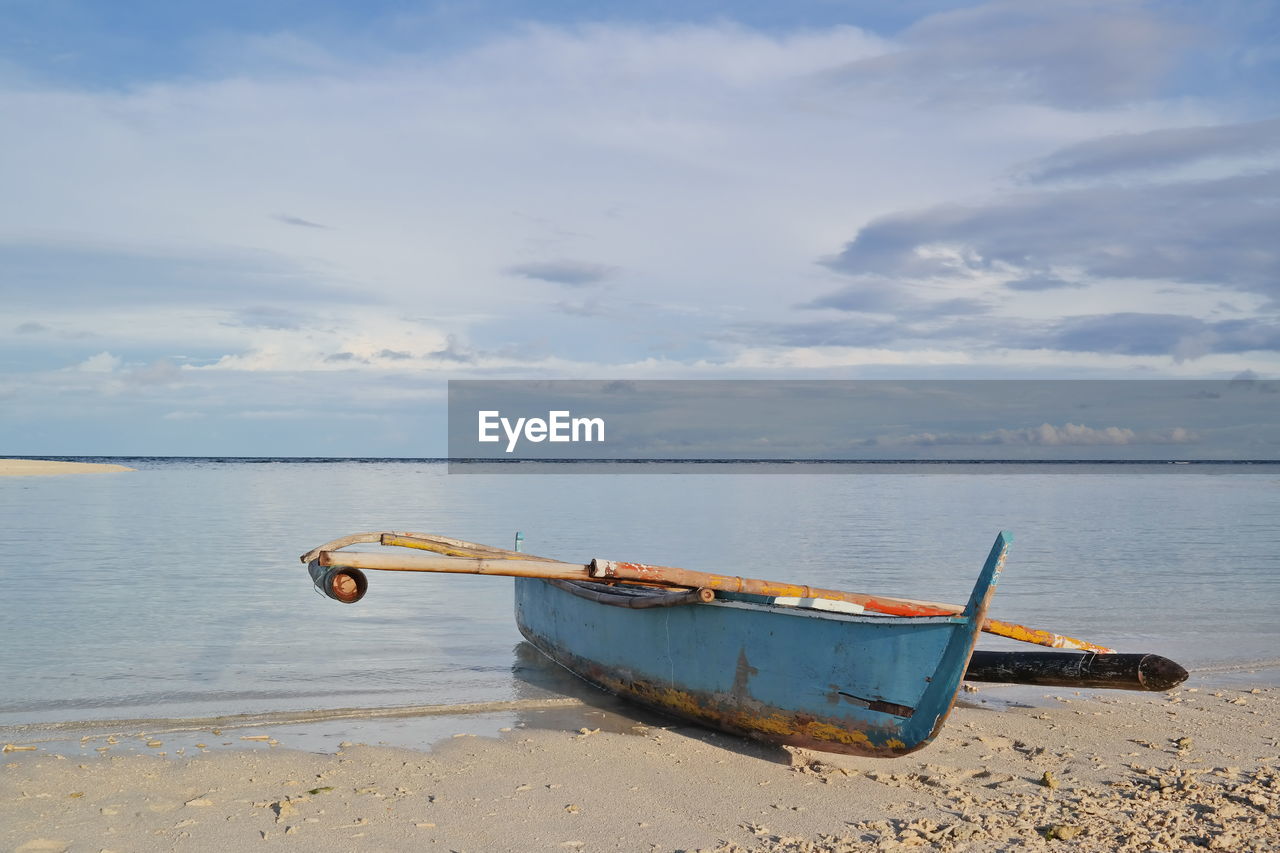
x: 568, y: 272
x: 1075, y: 53
x: 103, y: 362
x: 1047, y: 435
x: 159, y: 372
x: 825, y: 357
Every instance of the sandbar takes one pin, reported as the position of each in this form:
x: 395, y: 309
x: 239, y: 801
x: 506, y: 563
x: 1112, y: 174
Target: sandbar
x: 49, y: 467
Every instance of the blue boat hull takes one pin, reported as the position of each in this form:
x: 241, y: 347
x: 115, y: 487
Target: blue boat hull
x: 837, y: 682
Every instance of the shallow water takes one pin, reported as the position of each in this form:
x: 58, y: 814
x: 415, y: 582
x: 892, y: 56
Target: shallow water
x: 176, y: 591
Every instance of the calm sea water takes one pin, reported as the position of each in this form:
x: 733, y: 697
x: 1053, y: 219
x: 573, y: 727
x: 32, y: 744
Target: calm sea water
x: 176, y: 591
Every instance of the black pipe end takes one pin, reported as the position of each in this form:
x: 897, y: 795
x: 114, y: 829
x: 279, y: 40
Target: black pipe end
x: 341, y: 583
x: 1159, y: 673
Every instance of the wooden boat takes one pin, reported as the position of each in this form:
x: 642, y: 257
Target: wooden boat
x: 822, y: 669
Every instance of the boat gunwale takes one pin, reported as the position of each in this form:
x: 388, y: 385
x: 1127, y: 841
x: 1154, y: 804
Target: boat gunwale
x: 742, y: 601
x: 836, y: 616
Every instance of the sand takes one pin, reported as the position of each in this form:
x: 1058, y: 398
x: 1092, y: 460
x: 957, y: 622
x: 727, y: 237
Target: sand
x: 1190, y: 770
x: 47, y: 467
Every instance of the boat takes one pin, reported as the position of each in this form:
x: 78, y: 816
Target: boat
x: 786, y: 664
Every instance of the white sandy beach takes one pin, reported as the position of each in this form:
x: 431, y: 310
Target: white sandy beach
x: 1194, y: 769
x: 48, y: 467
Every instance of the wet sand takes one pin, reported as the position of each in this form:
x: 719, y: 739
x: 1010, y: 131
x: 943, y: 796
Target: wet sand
x: 48, y: 467
x: 1198, y: 768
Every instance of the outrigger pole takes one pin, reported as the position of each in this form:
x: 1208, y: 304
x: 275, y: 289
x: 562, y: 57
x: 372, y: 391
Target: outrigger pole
x: 339, y: 576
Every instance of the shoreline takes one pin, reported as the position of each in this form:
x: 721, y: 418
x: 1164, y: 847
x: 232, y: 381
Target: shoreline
x: 49, y: 467
x: 1196, y: 767
x: 565, y: 692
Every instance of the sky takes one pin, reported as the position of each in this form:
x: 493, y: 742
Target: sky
x: 267, y: 229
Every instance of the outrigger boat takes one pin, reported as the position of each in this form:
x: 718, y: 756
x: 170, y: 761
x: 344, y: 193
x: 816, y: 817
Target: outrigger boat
x: 818, y: 668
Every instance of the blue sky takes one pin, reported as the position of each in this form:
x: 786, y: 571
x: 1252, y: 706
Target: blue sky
x: 278, y: 228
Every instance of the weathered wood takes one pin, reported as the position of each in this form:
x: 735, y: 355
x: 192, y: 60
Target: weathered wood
x: 455, y: 565
x: 409, y: 539
x: 1068, y: 669
x: 462, y: 557
x: 671, y: 575
x: 1040, y: 637
x: 611, y: 569
x: 455, y: 547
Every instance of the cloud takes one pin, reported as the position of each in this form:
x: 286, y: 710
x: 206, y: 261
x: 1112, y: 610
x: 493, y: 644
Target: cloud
x: 868, y: 296
x: 272, y: 414
x: 113, y: 371
x: 1041, y: 282
x: 297, y: 220
x: 160, y: 372
x: 30, y: 329
x: 103, y: 362
x: 873, y: 296
x: 1181, y: 336
x: 268, y: 317
x: 364, y: 339
x: 295, y: 414
x: 453, y: 351
x: 1136, y: 153
x: 1219, y: 232
x: 79, y: 274
x: 572, y: 273
x: 1045, y: 435
x: 1076, y: 54
x: 883, y: 313
x: 859, y: 332
x: 586, y: 308
x: 1131, y: 238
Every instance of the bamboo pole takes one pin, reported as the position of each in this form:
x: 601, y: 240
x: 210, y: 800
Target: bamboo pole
x: 454, y: 547
x: 1040, y: 637
x: 609, y: 569
x: 486, y: 560
x: 550, y: 569
x: 614, y: 570
x: 426, y: 541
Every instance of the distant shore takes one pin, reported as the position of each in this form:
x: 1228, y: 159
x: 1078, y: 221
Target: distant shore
x: 48, y: 467
x: 1192, y: 769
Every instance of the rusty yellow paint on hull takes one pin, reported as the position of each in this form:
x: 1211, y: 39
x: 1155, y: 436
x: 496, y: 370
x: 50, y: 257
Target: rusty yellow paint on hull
x: 771, y: 725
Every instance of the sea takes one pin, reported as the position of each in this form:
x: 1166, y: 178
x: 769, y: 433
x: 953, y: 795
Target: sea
x: 176, y: 591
